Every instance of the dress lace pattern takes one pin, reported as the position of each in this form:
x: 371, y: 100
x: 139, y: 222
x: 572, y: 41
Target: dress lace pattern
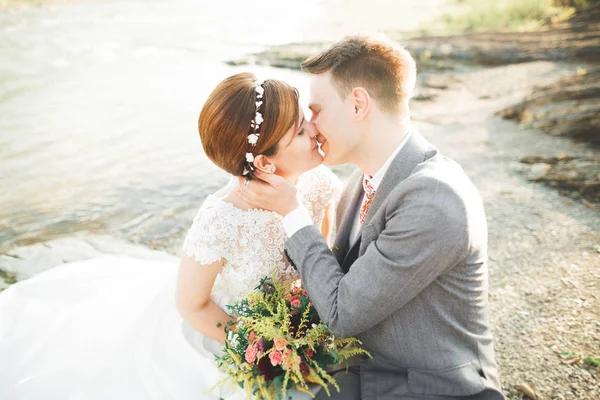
x: 251, y: 242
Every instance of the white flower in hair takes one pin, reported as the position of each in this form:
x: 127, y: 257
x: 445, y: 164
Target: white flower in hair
x: 259, y: 118
x: 260, y: 90
x: 252, y: 138
x: 258, y: 104
x: 249, y: 157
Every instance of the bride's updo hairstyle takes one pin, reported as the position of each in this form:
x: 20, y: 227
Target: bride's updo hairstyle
x: 226, y: 118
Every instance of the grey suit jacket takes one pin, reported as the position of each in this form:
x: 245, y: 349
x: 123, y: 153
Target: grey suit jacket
x: 416, y: 292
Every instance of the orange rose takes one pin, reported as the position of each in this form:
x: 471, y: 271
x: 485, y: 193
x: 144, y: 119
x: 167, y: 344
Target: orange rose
x: 279, y: 344
x: 289, y: 361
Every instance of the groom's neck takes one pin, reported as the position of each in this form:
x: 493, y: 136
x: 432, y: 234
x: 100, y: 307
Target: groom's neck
x: 384, y: 135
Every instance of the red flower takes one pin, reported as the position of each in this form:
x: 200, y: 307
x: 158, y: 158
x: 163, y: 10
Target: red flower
x: 267, y: 370
x: 296, y: 302
x: 252, y: 336
x: 304, y: 369
x: 295, y: 324
x: 251, y: 353
x: 309, y: 352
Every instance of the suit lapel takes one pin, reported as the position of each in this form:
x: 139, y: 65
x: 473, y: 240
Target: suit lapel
x: 347, y: 216
x: 412, y: 154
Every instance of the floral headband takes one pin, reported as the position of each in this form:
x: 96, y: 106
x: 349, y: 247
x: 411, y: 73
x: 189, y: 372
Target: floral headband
x: 255, y: 125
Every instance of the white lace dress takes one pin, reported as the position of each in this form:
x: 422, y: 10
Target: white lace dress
x: 107, y: 328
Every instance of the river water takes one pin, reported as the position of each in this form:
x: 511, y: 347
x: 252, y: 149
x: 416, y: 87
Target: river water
x: 99, y: 102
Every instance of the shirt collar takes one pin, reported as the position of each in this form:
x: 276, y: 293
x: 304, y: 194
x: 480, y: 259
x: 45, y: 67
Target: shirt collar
x: 378, y: 177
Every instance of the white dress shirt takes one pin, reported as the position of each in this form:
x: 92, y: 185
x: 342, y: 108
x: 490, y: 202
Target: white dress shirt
x: 299, y: 217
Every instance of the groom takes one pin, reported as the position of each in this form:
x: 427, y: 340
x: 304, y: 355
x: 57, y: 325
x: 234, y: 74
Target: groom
x: 408, y: 272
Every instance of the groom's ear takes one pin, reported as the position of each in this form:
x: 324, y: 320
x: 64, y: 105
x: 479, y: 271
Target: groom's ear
x: 263, y: 164
x: 362, y: 102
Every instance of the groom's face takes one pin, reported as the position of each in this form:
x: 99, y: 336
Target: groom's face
x: 334, y: 118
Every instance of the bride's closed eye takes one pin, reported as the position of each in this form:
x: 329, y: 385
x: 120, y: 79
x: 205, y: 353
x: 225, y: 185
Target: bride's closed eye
x: 301, y: 130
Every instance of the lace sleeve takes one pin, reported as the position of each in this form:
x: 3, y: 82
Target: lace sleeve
x: 318, y: 188
x: 204, y: 240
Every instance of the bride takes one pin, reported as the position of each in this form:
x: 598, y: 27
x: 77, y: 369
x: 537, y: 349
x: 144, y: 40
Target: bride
x: 122, y: 328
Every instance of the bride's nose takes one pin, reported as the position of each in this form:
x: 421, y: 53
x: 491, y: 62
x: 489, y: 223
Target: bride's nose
x: 313, y: 132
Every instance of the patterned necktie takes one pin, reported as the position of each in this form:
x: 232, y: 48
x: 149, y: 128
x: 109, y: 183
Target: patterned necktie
x: 369, y: 194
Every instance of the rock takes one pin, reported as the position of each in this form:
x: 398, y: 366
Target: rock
x: 424, y: 97
x: 288, y: 56
x: 527, y: 390
x: 546, y: 160
x: 539, y: 171
x: 570, y: 107
x: 27, y: 261
x: 580, y: 175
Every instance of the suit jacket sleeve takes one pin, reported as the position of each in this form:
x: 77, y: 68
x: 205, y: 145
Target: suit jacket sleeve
x: 425, y: 234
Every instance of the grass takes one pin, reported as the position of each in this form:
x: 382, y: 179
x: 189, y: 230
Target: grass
x: 499, y: 15
x: 592, y: 361
x: 7, y: 278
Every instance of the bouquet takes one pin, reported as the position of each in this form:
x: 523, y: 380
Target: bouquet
x: 279, y: 343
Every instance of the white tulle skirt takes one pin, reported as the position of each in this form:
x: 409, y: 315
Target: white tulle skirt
x: 105, y: 328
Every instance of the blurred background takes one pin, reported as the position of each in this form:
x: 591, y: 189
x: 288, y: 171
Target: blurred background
x: 99, y: 99
x: 99, y: 102
x: 99, y: 151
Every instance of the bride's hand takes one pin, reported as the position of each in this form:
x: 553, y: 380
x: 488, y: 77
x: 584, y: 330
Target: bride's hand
x: 269, y: 192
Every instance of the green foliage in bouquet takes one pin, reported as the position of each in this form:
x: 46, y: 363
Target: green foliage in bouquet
x: 280, y: 343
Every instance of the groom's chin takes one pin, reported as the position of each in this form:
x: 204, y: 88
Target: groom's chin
x: 327, y: 159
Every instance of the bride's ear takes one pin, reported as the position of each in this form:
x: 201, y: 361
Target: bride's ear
x: 263, y: 164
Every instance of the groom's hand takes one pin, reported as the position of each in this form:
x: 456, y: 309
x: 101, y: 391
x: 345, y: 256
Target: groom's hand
x: 269, y: 192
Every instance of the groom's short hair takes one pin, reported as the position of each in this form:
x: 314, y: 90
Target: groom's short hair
x: 384, y: 68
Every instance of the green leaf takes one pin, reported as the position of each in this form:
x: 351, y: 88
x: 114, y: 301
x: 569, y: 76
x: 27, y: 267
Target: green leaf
x: 592, y: 361
x: 335, y: 356
x: 278, y: 380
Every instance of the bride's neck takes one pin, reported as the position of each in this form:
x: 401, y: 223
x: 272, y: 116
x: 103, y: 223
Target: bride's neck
x: 291, y: 178
x: 233, y: 198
